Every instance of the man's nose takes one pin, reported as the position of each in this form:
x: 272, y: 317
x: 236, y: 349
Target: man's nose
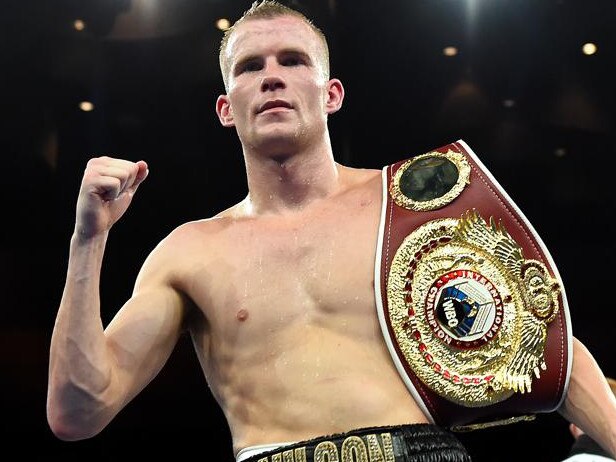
x: 271, y: 83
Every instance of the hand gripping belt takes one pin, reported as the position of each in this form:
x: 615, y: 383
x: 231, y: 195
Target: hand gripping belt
x: 470, y: 302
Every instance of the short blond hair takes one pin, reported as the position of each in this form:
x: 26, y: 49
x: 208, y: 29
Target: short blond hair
x: 268, y: 9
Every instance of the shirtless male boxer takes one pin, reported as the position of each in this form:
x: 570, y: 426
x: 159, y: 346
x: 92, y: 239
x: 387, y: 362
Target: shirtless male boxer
x: 277, y: 292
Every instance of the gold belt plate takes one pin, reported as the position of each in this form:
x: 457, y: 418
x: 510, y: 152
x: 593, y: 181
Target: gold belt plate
x: 468, y: 312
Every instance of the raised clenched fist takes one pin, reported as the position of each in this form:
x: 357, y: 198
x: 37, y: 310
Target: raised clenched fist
x: 107, y: 188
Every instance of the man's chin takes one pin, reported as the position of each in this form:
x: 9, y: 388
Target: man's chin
x: 278, y: 142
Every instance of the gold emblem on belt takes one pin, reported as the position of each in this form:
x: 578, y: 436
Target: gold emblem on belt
x: 469, y: 313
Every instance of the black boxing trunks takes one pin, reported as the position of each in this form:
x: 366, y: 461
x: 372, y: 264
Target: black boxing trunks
x: 402, y: 443
x: 470, y: 302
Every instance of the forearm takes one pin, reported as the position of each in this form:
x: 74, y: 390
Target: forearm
x: 590, y: 404
x: 80, y: 367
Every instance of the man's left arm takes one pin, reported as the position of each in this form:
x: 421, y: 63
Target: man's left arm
x: 590, y: 403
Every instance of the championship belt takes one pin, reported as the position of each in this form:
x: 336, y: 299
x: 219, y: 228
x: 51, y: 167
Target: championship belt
x: 470, y: 302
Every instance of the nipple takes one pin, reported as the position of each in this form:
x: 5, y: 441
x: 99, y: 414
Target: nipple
x: 242, y: 315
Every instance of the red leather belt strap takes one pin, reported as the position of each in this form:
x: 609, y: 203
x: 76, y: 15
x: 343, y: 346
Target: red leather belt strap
x: 431, y: 264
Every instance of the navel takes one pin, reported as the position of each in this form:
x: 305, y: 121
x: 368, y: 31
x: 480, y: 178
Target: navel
x: 242, y: 315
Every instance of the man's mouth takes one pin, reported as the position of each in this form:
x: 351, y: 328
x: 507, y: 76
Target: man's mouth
x: 274, y: 104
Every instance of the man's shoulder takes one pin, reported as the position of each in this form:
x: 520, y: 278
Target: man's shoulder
x: 197, y: 232
x: 191, y: 243
x: 200, y: 230
x: 360, y: 176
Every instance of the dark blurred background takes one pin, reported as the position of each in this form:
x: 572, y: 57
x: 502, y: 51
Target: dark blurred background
x: 510, y: 77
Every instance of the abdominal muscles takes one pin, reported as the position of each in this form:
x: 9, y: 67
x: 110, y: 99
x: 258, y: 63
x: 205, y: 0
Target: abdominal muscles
x: 310, y: 381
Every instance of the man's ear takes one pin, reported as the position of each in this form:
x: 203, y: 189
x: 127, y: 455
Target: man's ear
x: 224, y: 111
x: 335, y: 96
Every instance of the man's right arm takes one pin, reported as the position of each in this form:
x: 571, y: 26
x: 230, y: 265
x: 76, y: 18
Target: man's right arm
x: 94, y: 372
x: 589, y: 402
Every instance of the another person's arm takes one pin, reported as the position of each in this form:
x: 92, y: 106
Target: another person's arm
x: 94, y: 372
x: 590, y: 403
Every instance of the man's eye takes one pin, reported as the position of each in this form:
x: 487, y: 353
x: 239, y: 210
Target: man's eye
x: 251, y: 66
x: 291, y: 61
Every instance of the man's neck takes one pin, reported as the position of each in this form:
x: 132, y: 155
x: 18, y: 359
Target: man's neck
x: 288, y: 183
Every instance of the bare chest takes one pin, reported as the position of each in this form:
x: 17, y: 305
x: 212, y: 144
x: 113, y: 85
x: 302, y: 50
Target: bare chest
x: 314, y: 269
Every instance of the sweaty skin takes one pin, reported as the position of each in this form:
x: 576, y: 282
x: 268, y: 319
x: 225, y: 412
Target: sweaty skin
x: 277, y: 292
x: 289, y: 338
